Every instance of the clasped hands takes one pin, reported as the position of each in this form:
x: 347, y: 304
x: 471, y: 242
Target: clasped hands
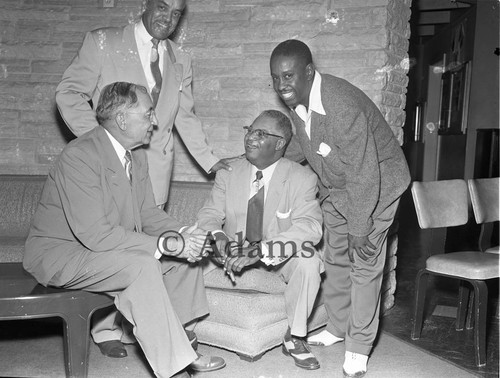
x: 194, y: 243
x: 187, y: 244
x: 235, y: 257
x: 192, y: 246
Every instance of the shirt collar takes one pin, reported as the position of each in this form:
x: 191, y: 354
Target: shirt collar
x: 119, y: 149
x: 315, y: 103
x: 143, y: 37
x: 267, y: 173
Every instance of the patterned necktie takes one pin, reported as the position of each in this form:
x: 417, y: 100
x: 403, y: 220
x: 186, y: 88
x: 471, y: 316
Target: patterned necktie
x: 255, y: 212
x: 128, y: 165
x: 155, y: 70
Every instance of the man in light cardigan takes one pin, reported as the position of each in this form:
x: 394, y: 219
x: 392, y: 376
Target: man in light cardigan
x: 346, y: 140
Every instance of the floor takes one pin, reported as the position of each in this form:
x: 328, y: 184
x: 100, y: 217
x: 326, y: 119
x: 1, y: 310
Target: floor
x: 439, y: 336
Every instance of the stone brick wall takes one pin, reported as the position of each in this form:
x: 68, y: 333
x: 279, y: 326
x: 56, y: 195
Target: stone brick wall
x: 363, y: 41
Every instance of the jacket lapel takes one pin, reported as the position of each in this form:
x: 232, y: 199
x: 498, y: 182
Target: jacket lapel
x: 171, y: 85
x: 275, y: 192
x: 116, y: 177
x: 131, y: 59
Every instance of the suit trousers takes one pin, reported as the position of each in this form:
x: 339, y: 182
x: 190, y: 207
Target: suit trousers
x: 144, y: 290
x: 178, y: 278
x: 302, y: 274
x: 352, y: 290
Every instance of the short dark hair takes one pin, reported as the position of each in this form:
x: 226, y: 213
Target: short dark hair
x: 282, y: 121
x: 115, y: 97
x: 293, y: 48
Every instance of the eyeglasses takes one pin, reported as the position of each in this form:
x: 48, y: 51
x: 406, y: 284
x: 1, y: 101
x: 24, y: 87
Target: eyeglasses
x: 259, y: 133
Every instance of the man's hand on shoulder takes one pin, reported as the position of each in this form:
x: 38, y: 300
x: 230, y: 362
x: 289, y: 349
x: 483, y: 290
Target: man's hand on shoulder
x: 361, y: 245
x: 224, y: 164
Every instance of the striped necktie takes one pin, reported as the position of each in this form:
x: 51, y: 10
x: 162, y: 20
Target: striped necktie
x: 155, y: 70
x: 255, y: 212
x: 128, y: 165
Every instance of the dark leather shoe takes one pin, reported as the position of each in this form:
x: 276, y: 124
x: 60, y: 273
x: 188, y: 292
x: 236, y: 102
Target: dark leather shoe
x: 193, y: 339
x: 300, y: 352
x: 113, y: 348
x: 207, y: 363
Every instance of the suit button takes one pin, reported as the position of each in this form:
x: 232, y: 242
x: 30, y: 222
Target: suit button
x: 168, y: 131
x: 164, y: 152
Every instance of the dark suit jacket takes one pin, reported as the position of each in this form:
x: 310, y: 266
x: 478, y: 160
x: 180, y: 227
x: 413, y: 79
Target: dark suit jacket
x: 88, y: 206
x: 291, y: 211
x: 365, y: 170
x: 110, y: 54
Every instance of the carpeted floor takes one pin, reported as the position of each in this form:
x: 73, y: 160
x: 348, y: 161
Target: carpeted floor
x: 41, y: 355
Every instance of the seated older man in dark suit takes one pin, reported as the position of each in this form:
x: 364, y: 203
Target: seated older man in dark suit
x: 97, y: 229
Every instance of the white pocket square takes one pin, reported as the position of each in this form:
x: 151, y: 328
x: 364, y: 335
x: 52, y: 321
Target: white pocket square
x: 324, y: 149
x: 281, y: 215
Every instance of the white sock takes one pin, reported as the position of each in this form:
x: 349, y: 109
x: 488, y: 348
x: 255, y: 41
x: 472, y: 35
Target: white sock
x: 354, y: 362
x: 325, y: 338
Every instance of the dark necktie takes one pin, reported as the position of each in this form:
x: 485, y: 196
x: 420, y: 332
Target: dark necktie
x: 128, y: 171
x: 155, y: 70
x: 255, y: 212
x: 128, y: 165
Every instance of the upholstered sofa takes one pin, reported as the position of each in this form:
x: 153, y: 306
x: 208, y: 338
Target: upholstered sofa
x: 247, y: 318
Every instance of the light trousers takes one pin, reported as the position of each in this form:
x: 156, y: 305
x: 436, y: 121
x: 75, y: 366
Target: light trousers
x: 352, y: 290
x: 144, y: 291
x: 302, y: 274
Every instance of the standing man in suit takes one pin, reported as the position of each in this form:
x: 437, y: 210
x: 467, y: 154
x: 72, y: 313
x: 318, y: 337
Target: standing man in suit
x: 97, y: 226
x: 265, y: 214
x: 141, y: 53
x: 347, y: 142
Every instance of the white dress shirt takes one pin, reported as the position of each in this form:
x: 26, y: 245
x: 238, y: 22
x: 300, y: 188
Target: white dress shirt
x: 144, y: 46
x: 267, y: 174
x: 315, y: 104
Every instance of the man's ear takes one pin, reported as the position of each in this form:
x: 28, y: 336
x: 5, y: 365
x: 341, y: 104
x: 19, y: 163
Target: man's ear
x: 120, y: 121
x: 310, y: 69
x: 280, y: 144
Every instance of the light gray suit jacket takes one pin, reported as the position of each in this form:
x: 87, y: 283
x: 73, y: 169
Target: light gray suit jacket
x: 291, y: 211
x: 88, y: 206
x: 109, y: 55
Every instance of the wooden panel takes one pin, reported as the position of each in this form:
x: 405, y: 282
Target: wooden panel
x: 428, y: 5
x: 426, y: 30
x: 441, y: 17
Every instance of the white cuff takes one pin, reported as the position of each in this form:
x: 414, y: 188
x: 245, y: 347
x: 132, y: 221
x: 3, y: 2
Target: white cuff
x: 268, y: 260
x: 219, y: 232
x: 265, y: 255
x: 158, y: 254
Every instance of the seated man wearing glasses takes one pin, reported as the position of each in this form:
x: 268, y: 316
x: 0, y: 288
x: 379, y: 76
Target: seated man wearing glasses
x: 263, y: 214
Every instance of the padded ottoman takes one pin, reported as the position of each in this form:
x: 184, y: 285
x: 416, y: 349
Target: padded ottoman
x: 248, y: 318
